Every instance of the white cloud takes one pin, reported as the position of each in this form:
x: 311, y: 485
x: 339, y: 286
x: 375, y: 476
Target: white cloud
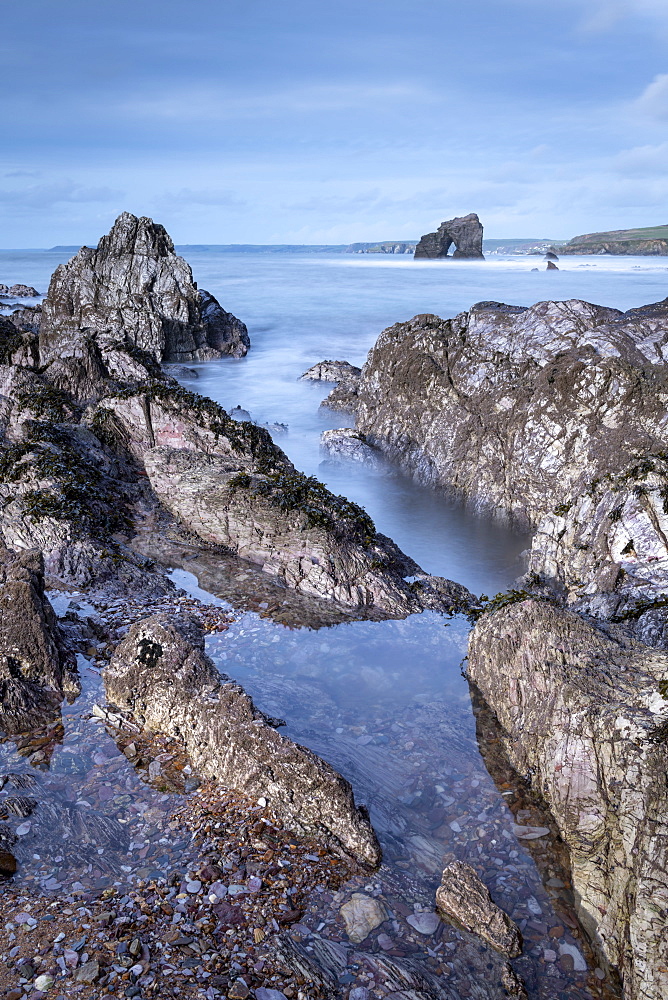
x: 642, y: 161
x: 653, y: 102
x: 42, y: 196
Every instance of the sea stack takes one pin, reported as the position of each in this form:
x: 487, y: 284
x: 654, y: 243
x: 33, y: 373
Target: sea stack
x: 465, y: 233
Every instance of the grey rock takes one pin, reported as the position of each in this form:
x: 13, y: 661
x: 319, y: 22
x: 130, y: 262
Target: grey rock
x: 518, y: 409
x: 263, y: 993
x: 36, y: 668
x: 294, y: 529
x: 463, y: 897
x: 580, y: 710
x: 180, y: 371
x: 134, y: 289
x: 551, y: 266
x: 466, y: 234
x: 88, y: 972
x: 161, y: 674
x: 19, y: 291
x: 332, y: 371
x: 424, y: 923
x: 349, y: 445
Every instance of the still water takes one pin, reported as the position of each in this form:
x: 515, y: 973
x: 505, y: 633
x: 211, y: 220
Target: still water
x: 384, y: 702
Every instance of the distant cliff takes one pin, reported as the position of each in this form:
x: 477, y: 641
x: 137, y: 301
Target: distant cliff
x: 387, y: 246
x: 649, y: 242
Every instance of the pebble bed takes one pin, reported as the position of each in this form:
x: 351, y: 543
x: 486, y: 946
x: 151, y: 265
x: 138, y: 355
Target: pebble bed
x: 135, y: 880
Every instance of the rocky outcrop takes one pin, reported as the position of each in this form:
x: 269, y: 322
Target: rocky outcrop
x: 518, y: 409
x: 650, y: 241
x: 551, y: 266
x: 333, y: 371
x: 36, y: 669
x: 465, y: 233
x: 295, y: 530
x: 133, y: 289
x: 161, y: 674
x: 348, y: 445
x: 583, y: 718
x: 464, y: 898
x: 19, y: 291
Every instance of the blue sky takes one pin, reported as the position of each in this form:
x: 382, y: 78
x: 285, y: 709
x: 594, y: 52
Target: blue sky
x: 298, y: 122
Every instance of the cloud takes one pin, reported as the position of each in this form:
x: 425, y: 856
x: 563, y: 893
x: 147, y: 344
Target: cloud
x: 604, y: 15
x: 642, y: 161
x: 44, y: 196
x: 653, y: 102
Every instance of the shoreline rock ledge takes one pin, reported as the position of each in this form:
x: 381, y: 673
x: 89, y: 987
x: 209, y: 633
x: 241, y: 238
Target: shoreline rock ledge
x: 161, y: 674
x: 582, y: 714
x: 135, y: 289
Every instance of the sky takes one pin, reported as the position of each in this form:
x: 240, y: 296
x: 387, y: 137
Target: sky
x: 252, y: 121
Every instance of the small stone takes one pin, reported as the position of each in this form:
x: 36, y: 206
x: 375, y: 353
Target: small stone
x: 462, y: 896
x: 238, y: 990
x: 23, y: 828
x: 44, y: 982
x: 262, y: 993
x: 424, y: 923
x: 7, y: 863
x: 194, y: 886
x: 359, y: 993
x: 361, y: 915
x: 549, y: 955
x: 530, y: 832
x: 14, y: 995
x: 88, y: 972
x: 570, y: 950
x: 600, y: 974
x: 385, y: 942
x: 135, y: 947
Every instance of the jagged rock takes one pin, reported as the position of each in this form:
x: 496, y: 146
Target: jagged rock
x: 27, y: 319
x: 180, y: 371
x: 36, y: 669
x: 466, y: 234
x: 291, y: 526
x: 161, y: 674
x: 550, y: 255
x: 347, y: 444
x: 347, y: 377
x: 581, y: 713
x: 361, y: 915
x: 606, y: 551
x: 239, y: 414
x: 333, y: 371
x: 134, y: 289
x: 551, y: 266
x: 462, y: 896
x: 518, y: 409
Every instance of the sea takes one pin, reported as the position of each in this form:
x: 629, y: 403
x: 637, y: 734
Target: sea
x: 387, y: 703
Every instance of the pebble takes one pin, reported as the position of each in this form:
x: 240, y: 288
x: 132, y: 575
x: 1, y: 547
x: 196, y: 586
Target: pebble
x: 424, y: 923
x: 44, y: 982
x: 570, y: 950
x: 263, y: 993
x: 194, y: 886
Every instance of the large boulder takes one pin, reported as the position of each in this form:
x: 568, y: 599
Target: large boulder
x: 583, y: 717
x: 466, y: 234
x: 161, y: 674
x: 295, y: 530
x: 518, y: 409
x: 133, y: 288
x: 36, y: 668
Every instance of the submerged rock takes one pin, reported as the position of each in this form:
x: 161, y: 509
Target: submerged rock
x: 583, y: 715
x: 551, y: 266
x: 466, y: 234
x: 361, y: 915
x: 462, y: 897
x: 134, y: 289
x: 161, y: 674
x: 332, y: 371
x: 36, y: 668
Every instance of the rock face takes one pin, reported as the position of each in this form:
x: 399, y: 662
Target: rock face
x: 462, y: 897
x: 36, y: 669
x: 295, y: 530
x: 583, y: 717
x: 333, y: 371
x: 161, y: 674
x: 518, y: 409
x: 135, y: 290
x: 465, y: 233
x: 348, y: 445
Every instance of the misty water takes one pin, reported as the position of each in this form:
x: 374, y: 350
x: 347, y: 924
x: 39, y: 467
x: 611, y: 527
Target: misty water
x: 386, y: 702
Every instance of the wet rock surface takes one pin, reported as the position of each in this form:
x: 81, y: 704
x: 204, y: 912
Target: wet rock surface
x: 462, y: 897
x: 348, y: 445
x: 134, y: 289
x: 36, y: 668
x: 162, y: 676
x: 464, y: 232
x: 346, y: 376
x: 580, y: 709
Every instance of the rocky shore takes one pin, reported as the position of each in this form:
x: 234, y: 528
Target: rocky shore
x: 556, y: 416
